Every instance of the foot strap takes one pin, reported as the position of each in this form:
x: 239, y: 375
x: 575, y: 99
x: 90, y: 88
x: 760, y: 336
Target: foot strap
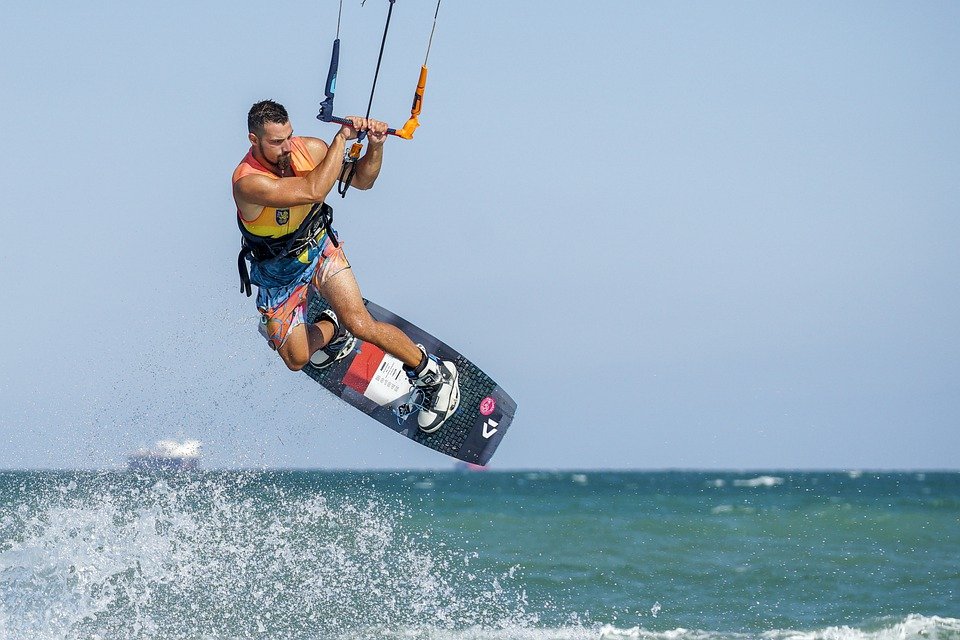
x: 414, y: 372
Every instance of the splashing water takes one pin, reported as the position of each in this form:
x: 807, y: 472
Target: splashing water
x: 306, y: 555
x: 229, y: 556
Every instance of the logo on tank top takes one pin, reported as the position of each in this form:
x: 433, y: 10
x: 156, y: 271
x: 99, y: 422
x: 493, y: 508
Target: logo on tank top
x: 283, y: 216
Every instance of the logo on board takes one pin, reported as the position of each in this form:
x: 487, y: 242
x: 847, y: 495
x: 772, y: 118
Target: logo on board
x: 487, y: 405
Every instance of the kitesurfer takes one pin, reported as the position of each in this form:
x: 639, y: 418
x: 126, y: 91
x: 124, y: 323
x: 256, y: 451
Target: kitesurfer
x: 280, y: 188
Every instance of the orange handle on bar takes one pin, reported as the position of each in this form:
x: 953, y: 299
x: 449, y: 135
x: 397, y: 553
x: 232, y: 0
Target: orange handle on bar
x: 406, y: 132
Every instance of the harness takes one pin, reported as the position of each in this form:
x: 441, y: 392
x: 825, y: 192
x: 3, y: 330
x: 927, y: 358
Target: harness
x: 260, y: 248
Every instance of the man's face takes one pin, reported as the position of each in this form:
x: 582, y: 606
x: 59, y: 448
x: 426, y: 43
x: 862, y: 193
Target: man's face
x: 274, y: 144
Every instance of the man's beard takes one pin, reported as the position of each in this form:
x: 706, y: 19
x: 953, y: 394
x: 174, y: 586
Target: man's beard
x: 282, y: 162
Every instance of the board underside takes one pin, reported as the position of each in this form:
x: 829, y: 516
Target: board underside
x: 375, y: 383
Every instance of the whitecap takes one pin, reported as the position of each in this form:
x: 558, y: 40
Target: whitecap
x: 760, y: 481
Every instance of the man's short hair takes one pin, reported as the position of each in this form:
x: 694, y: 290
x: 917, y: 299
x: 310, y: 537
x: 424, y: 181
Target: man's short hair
x: 263, y: 112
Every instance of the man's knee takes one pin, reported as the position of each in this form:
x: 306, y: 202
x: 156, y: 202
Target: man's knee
x: 294, y: 352
x: 294, y: 364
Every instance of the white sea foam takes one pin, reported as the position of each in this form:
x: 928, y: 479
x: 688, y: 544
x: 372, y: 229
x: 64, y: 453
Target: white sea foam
x: 761, y: 481
x: 722, y: 509
x: 216, y: 559
x: 913, y: 627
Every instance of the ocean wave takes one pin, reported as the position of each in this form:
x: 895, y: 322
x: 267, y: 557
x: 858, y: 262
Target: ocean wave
x: 761, y: 481
x: 913, y: 627
x: 723, y: 509
x: 317, y: 556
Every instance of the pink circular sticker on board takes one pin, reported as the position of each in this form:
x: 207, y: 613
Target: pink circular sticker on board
x: 487, y: 405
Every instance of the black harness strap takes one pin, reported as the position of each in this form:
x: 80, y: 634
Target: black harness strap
x: 254, y: 247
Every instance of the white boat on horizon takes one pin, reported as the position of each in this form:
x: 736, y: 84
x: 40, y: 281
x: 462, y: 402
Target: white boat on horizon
x: 167, y: 455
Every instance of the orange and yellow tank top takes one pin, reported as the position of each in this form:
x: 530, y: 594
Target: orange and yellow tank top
x: 274, y: 222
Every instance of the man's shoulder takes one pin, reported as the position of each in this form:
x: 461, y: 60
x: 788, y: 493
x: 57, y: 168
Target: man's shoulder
x: 314, y: 145
x: 248, y: 166
x: 310, y: 140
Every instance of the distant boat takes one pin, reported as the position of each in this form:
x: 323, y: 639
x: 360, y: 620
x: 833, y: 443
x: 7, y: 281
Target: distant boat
x: 168, y: 455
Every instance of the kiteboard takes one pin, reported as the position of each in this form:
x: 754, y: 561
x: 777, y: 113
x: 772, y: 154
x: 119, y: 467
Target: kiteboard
x: 375, y: 383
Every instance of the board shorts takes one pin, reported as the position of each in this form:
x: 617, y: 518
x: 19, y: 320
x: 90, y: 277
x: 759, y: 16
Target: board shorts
x: 283, y: 307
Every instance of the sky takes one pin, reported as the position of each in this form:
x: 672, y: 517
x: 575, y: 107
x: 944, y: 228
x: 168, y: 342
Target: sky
x: 682, y: 235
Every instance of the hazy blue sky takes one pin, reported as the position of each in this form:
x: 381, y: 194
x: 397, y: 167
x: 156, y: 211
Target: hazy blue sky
x: 680, y: 234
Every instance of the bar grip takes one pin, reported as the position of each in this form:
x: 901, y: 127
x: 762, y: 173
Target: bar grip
x: 344, y: 121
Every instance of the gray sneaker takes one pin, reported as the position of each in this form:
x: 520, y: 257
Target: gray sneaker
x: 338, y: 348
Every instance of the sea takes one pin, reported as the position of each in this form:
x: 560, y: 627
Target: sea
x: 480, y: 555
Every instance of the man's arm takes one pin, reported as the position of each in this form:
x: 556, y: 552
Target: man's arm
x: 295, y: 190
x: 368, y: 167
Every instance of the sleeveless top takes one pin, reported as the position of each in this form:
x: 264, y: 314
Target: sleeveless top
x: 274, y: 222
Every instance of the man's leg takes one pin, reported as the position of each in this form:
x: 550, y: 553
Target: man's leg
x: 284, y: 327
x: 437, y: 383
x: 303, y: 341
x: 343, y: 293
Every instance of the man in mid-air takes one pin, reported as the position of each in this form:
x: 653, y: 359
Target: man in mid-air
x: 280, y: 188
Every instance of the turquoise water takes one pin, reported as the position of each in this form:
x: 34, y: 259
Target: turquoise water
x: 500, y: 556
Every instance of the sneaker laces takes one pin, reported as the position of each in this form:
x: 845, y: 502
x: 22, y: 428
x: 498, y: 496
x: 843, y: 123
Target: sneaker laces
x: 415, y: 402
x: 420, y: 398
